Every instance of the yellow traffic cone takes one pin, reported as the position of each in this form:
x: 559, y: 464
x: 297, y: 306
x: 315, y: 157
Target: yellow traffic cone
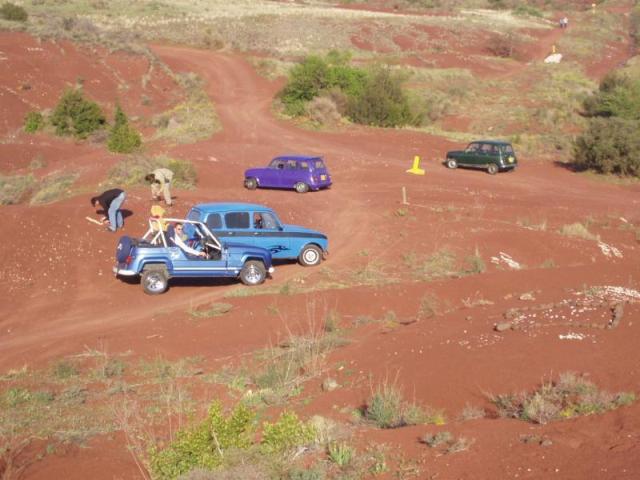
x: 416, y: 170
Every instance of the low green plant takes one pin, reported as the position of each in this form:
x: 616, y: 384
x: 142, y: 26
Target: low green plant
x: 13, y: 13
x: 64, y: 370
x: 341, y: 453
x: 286, y: 434
x: 204, y: 444
x: 577, y: 230
x: 572, y: 395
x: 33, y: 122
x: 388, y: 409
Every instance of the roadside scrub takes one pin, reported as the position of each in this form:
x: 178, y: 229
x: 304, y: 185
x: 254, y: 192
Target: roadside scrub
x: 132, y: 170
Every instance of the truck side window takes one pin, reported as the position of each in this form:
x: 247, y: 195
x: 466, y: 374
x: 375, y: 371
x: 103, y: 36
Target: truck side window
x: 237, y: 219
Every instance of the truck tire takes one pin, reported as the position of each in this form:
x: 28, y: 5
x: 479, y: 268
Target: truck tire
x: 154, y: 280
x: 253, y: 273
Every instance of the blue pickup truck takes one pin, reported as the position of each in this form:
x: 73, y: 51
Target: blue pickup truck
x: 258, y: 225
x: 156, y: 257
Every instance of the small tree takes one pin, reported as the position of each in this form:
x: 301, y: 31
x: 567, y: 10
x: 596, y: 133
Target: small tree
x: 123, y: 137
x: 12, y: 12
x: 618, y: 96
x: 74, y: 115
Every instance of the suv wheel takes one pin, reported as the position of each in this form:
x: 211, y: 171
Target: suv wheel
x: 301, y: 187
x: 155, y: 281
x: 492, y: 169
x: 251, y: 183
x: 310, y: 256
x: 451, y: 163
x: 253, y: 273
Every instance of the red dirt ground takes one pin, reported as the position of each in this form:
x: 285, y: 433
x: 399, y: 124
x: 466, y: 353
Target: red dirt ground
x: 59, y: 295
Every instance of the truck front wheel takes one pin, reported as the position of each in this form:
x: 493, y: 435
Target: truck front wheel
x: 253, y: 273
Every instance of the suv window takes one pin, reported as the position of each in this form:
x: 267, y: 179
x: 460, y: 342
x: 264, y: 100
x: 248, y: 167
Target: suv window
x: 487, y: 148
x: 292, y: 165
x: 473, y: 147
x: 237, y: 219
x: 277, y: 164
x: 318, y: 164
x: 214, y: 221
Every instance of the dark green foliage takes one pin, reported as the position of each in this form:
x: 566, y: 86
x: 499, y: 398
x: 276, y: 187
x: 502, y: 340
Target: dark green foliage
x: 14, y: 13
x: 33, y: 122
x: 287, y: 433
x: 123, y: 137
x: 635, y: 24
x: 316, y: 75
x: 382, y: 102
x: 610, y: 145
x: 618, y: 96
x: 204, y: 444
x: 74, y: 115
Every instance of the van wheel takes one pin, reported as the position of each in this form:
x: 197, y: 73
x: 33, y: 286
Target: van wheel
x: 310, y: 256
x: 251, y: 183
x: 492, y: 169
x: 253, y: 273
x: 451, y: 163
x: 155, y: 281
x: 301, y: 187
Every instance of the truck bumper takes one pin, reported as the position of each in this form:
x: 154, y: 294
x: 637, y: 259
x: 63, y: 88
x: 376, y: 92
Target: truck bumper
x: 124, y: 272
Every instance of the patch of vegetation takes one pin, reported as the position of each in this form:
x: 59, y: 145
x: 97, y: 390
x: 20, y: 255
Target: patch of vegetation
x: 13, y: 13
x: 192, y: 120
x: 388, y: 409
x: 131, y: 171
x: 471, y: 412
x: 53, y: 187
x: 577, y: 230
x: 123, y: 138
x: 286, y: 434
x: 33, y: 122
x: 341, y: 453
x: 572, y: 395
x: 213, y: 310
x: 77, y: 116
x: 611, y: 143
x: 438, y: 265
x: 13, y: 189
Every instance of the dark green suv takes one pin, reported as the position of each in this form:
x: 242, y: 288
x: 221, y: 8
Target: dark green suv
x: 491, y: 155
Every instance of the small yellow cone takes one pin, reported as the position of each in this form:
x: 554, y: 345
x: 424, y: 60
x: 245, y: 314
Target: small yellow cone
x: 416, y: 170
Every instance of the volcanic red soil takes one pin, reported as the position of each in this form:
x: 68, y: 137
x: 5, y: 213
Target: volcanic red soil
x: 59, y: 296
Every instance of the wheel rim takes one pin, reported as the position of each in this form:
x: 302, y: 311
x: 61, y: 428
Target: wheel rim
x: 253, y: 275
x: 452, y: 164
x: 154, y: 282
x: 492, y: 169
x: 301, y: 187
x: 310, y: 256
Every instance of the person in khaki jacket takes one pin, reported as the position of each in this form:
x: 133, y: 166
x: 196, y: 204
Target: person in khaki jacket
x: 160, y: 180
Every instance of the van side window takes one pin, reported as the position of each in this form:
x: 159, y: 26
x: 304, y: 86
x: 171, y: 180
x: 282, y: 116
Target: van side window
x: 304, y: 165
x: 214, y: 221
x: 292, y: 165
x: 237, y: 219
x: 318, y: 164
x: 508, y: 149
x: 269, y: 221
x: 486, y: 148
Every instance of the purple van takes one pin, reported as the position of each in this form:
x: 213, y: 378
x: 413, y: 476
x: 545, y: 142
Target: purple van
x: 300, y: 172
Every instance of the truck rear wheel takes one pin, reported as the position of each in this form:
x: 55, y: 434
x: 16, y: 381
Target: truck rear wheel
x: 154, y: 281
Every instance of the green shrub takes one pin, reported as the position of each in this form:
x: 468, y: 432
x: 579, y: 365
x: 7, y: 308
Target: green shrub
x: 123, y: 138
x: 74, y: 115
x: 287, y: 433
x: 204, y: 444
x: 635, y: 24
x: 14, y: 13
x: 617, y: 96
x: 382, y: 102
x: 609, y: 145
x: 33, y: 122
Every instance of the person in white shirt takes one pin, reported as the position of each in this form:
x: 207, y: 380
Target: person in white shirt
x: 179, y: 241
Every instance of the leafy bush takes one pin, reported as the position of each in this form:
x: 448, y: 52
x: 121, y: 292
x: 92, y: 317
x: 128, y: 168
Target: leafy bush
x: 287, y: 433
x: 14, y: 13
x: 123, y: 137
x: 610, y: 145
x: 618, y: 96
x: 382, y: 102
x: 74, y: 115
x: 33, y: 122
x: 204, y: 444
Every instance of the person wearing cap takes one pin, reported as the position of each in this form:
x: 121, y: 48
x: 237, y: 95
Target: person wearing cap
x: 160, y: 180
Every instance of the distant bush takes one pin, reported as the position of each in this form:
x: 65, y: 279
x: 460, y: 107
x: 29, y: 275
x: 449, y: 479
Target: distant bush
x: 123, y: 138
x: 502, y: 45
x: 382, y: 102
x: 74, y: 115
x: 14, y: 13
x: 635, y: 24
x: 610, y: 145
x: 33, y: 122
x: 617, y: 96
x: 54, y: 187
x: 527, y: 10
